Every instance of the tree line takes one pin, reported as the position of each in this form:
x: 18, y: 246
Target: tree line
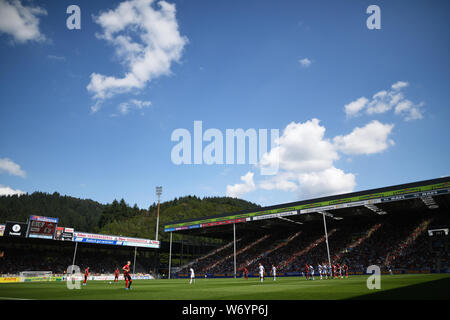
x: 118, y: 217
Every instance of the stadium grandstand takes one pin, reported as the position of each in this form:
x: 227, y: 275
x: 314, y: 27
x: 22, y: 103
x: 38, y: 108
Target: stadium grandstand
x: 401, y: 229
x: 40, y: 249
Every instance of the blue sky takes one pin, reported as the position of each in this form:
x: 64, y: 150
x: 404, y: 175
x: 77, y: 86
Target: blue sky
x: 229, y: 64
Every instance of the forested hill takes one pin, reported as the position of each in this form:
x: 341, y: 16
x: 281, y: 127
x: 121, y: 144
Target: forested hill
x: 143, y: 223
x: 83, y: 215
x: 117, y: 218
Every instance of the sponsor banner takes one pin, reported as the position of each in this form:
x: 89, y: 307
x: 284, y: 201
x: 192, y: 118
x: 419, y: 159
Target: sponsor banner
x: 415, y: 195
x: 15, y: 229
x: 36, y: 279
x: 59, y: 232
x: 145, y: 277
x: 40, y: 236
x: 44, y: 219
x: 220, y: 223
x: 2, y: 229
x: 293, y: 274
x: 94, y: 236
x: 64, y: 234
x: 111, y: 277
x: 104, y: 278
x: 136, y: 242
x: 9, y: 279
x: 341, y: 206
x: 113, y: 240
x: 56, y: 278
x: 97, y: 241
x: 275, y: 215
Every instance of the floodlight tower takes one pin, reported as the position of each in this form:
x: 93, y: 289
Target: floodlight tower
x: 158, y: 193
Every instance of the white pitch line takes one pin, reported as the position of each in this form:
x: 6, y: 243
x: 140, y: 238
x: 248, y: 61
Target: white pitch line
x: 10, y: 298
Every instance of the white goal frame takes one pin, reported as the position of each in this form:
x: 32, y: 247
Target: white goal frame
x: 30, y: 274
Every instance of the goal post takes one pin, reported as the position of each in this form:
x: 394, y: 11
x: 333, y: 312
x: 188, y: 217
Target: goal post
x: 45, y: 275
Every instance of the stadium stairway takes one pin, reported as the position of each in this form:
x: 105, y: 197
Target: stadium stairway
x: 299, y: 253
x: 403, y: 245
x: 268, y: 252
x: 249, y: 246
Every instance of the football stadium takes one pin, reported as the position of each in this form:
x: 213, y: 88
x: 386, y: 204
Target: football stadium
x: 302, y: 147
x: 386, y: 243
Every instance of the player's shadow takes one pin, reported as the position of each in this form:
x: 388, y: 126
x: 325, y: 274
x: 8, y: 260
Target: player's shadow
x: 432, y: 290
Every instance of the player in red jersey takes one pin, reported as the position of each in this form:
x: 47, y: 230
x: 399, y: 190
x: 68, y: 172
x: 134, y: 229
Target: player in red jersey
x: 339, y: 270
x: 307, y: 271
x: 334, y: 270
x: 86, y: 273
x: 345, y: 270
x: 116, y: 275
x: 246, y: 273
x: 126, y: 275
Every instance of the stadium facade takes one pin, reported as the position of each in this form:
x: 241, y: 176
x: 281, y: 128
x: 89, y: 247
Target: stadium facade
x: 428, y: 197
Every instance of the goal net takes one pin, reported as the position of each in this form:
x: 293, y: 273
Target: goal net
x: 36, y: 274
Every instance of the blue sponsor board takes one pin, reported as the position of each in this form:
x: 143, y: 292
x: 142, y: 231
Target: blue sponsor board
x: 40, y: 236
x: 99, y: 241
x: 183, y: 228
x: 44, y: 219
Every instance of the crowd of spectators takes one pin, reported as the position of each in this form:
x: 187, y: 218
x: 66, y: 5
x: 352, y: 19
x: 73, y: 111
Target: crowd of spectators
x: 18, y: 259
x: 391, y: 242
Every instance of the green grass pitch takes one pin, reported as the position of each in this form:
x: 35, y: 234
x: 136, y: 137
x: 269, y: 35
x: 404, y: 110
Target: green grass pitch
x: 428, y: 286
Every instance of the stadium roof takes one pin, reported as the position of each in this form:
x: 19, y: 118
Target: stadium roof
x: 424, y: 195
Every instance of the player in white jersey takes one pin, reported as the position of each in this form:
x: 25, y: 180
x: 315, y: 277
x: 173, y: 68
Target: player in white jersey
x: 261, y: 273
x: 311, y: 271
x: 274, y: 273
x: 325, y: 270
x: 319, y: 267
x: 192, y: 276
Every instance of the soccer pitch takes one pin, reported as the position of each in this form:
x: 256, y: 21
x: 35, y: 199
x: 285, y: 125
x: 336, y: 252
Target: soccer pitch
x: 430, y: 286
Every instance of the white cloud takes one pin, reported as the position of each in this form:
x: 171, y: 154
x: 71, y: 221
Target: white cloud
x: 53, y: 57
x: 10, y: 167
x: 7, y: 191
x: 353, y: 108
x: 409, y: 110
x: 240, y: 189
x: 284, y: 181
x: 328, y: 182
x: 306, y: 156
x: 302, y: 147
x: 384, y: 101
x: 370, y: 139
x: 305, y: 62
x: 21, y: 22
x: 147, y: 55
x: 125, y: 107
x: 399, y: 85
x: 307, y: 159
